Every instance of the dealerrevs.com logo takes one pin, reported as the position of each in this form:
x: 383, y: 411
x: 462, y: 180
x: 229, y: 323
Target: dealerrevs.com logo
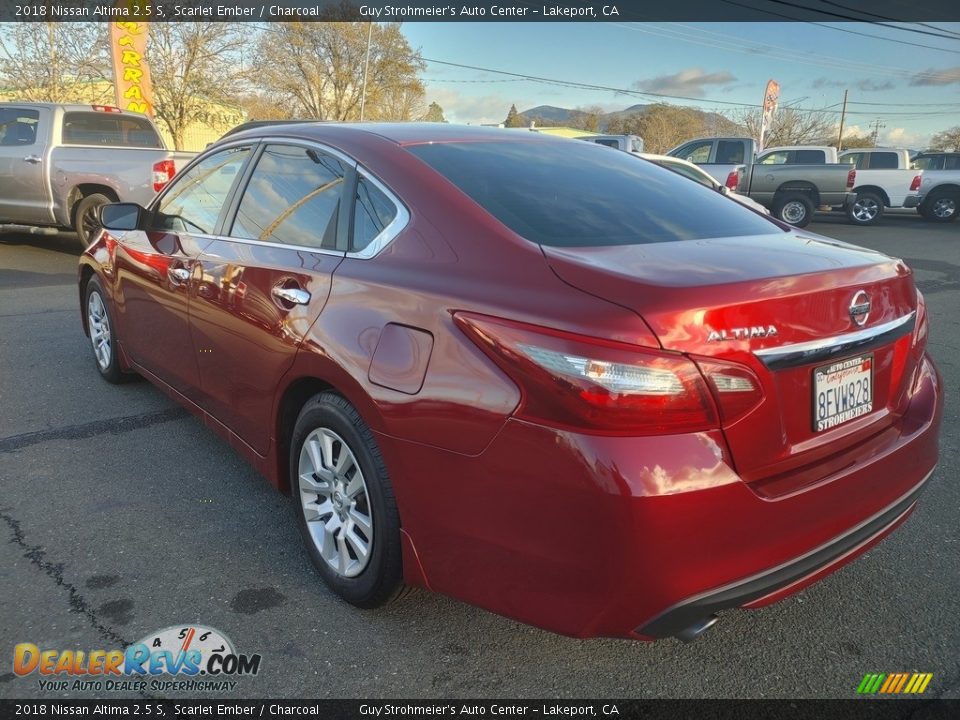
x: 194, y: 657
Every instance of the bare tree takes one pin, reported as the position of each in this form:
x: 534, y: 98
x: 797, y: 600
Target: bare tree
x: 789, y: 126
x: 318, y: 69
x: 947, y: 140
x: 55, y: 62
x: 194, y: 65
x: 587, y: 118
x: 663, y: 126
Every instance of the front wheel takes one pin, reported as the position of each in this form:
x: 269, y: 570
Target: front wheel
x: 941, y: 206
x: 866, y: 209
x: 86, y: 217
x: 344, y: 502
x: 102, y: 333
x: 794, y: 209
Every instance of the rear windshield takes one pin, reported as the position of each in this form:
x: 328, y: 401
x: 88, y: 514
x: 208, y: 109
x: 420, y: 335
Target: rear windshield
x: 577, y: 194
x: 115, y: 130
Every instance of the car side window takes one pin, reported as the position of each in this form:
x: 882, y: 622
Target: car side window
x: 855, y: 159
x: 194, y: 201
x: 18, y: 126
x: 811, y: 157
x: 696, y: 152
x: 609, y: 143
x: 884, y: 161
x: 372, y: 213
x: 293, y: 198
x: 729, y: 152
x: 689, y: 172
x: 951, y: 162
x: 775, y: 158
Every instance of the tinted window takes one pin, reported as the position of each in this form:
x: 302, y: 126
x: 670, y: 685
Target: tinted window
x: 101, y: 128
x: 372, y: 213
x: 608, y: 143
x: 729, y: 152
x: 18, y: 126
x: 951, y: 162
x: 775, y: 158
x: 292, y: 198
x: 195, y: 199
x: 811, y: 157
x: 574, y: 194
x: 883, y: 161
x: 695, y: 152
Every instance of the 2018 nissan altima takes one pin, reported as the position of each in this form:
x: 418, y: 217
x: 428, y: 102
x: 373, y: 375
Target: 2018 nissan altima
x: 519, y: 370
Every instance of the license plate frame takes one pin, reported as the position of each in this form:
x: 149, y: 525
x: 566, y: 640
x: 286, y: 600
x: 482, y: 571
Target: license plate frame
x: 851, y: 370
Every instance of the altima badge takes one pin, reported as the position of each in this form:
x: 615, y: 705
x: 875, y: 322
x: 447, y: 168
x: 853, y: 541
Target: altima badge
x: 744, y: 333
x: 860, y: 307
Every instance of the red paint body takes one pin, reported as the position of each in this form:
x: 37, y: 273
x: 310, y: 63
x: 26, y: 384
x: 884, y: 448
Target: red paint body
x: 581, y: 532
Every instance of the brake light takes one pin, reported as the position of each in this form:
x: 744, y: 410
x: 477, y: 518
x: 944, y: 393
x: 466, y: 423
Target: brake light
x: 921, y: 329
x: 736, y: 390
x: 915, y: 185
x: 733, y: 179
x: 106, y: 108
x: 571, y: 380
x: 163, y: 172
x: 851, y: 178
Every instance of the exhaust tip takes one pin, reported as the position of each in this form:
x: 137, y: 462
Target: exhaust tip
x: 695, y: 630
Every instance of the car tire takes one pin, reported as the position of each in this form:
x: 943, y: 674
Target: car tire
x: 866, y: 209
x: 86, y: 218
x: 102, y: 333
x: 344, y: 503
x: 941, y: 206
x: 794, y: 209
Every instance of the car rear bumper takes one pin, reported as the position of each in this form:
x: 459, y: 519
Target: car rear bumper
x: 911, y: 201
x: 639, y: 537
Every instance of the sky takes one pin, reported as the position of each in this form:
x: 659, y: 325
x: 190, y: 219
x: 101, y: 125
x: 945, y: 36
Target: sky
x: 906, y: 78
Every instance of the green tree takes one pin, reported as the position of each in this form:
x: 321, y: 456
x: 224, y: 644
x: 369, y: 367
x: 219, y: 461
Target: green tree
x: 434, y: 114
x: 587, y: 118
x: 946, y: 140
x: 515, y: 119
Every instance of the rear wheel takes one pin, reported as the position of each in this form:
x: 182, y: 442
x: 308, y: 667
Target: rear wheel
x: 866, y: 209
x: 344, y: 502
x: 86, y: 217
x: 794, y: 209
x: 941, y: 206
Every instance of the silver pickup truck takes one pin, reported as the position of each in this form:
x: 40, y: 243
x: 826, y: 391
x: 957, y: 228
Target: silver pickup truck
x: 791, y: 192
x: 60, y: 163
x: 940, y: 195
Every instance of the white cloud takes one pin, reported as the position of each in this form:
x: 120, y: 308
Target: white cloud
x: 946, y: 76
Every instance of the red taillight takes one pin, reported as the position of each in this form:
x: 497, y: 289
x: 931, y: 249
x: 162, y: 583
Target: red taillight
x: 106, y: 108
x: 163, y: 172
x: 733, y: 179
x: 921, y: 328
x: 590, y: 384
x: 736, y: 390
x: 915, y: 185
x: 851, y: 178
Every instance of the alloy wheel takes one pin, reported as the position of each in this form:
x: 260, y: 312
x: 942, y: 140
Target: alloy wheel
x: 865, y: 209
x: 335, y: 502
x: 99, y: 324
x: 944, y: 207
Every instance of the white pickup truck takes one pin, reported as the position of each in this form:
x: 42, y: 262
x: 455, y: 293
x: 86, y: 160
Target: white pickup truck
x: 886, y: 177
x: 60, y: 163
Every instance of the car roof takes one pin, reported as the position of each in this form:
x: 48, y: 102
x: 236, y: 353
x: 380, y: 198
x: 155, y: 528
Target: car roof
x: 399, y: 133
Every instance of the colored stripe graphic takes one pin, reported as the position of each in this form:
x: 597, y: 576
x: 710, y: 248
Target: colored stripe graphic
x: 894, y: 683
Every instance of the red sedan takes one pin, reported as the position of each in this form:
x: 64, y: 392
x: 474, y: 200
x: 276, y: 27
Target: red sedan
x: 561, y: 383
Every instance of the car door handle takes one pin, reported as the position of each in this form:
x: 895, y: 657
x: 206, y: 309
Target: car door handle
x: 294, y: 296
x: 178, y: 275
x: 33, y: 159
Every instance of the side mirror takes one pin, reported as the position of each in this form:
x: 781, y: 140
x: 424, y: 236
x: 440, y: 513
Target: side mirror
x: 121, y: 216
x: 724, y: 190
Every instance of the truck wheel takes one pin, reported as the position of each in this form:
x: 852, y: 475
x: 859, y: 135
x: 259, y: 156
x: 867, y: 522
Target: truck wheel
x: 86, y: 217
x: 866, y: 209
x: 794, y: 209
x: 941, y: 206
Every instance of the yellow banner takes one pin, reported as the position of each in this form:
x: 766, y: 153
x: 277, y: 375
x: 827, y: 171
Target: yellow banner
x: 131, y: 74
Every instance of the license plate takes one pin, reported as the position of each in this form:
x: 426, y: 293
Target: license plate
x: 842, y: 391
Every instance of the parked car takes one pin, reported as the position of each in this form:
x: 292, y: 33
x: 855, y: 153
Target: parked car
x: 254, y: 124
x: 627, y: 143
x: 689, y: 170
x: 792, y: 192
x: 936, y: 160
x: 939, y: 196
x: 798, y: 155
x: 60, y: 163
x: 535, y: 375
x: 886, y: 178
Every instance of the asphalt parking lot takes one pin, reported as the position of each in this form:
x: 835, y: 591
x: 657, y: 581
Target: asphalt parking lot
x: 120, y: 514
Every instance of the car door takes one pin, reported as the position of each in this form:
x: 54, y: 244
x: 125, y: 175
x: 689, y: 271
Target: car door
x: 262, y: 284
x: 156, y: 267
x: 24, y: 192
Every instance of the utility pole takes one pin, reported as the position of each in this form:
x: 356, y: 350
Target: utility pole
x: 876, y: 131
x: 366, y: 66
x: 843, y: 116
